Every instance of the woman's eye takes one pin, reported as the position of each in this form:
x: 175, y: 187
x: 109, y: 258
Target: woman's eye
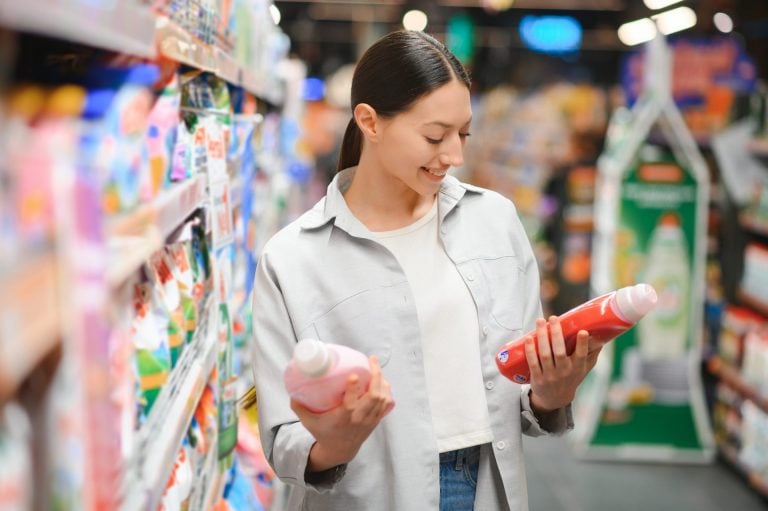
x: 433, y: 141
x: 464, y: 136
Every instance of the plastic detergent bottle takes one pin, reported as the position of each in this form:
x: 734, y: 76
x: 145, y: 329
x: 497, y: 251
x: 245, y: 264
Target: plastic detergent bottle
x: 664, y: 334
x: 604, y: 317
x: 317, y: 375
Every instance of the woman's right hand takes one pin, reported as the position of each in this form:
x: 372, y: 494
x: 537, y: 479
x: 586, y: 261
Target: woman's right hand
x: 340, y: 432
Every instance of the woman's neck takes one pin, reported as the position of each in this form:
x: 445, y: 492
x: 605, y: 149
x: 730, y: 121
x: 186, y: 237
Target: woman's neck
x: 382, y: 202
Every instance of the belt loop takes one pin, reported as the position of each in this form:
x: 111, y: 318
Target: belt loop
x: 460, y: 458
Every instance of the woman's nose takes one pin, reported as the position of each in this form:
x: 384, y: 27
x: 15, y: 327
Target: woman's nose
x: 453, y: 153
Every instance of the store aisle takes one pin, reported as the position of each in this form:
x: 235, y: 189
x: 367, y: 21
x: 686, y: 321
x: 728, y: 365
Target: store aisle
x: 558, y: 482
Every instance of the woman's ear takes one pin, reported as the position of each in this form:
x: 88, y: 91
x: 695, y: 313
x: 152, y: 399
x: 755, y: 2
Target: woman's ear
x: 367, y: 121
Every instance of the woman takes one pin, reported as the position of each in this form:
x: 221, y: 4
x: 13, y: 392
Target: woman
x: 429, y: 277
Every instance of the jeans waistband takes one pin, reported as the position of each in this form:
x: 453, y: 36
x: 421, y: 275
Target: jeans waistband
x: 459, y: 457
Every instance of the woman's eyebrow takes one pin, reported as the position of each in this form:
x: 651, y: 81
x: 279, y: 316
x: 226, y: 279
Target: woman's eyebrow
x: 444, y: 124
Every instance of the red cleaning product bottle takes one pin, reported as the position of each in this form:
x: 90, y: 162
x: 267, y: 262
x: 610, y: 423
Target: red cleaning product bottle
x: 604, y: 317
x: 317, y: 375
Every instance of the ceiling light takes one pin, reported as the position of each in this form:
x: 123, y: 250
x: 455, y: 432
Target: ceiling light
x: 675, y: 20
x: 659, y: 4
x: 275, y: 13
x: 723, y: 22
x: 637, y: 32
x: 415, y: 20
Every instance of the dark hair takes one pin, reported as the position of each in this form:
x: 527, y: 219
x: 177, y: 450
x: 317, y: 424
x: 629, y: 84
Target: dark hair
x: 397, y: 70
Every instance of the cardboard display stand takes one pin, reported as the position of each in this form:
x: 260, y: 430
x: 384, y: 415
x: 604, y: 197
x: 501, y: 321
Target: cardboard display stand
x: 644, y: 399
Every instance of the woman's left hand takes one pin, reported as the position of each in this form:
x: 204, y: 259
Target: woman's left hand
x: 555, y: 375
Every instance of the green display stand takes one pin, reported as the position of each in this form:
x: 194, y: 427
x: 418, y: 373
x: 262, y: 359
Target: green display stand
x: 644, y: 399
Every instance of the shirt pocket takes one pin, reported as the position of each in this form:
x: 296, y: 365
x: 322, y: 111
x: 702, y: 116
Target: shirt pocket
x: 504, y: 279
x: 362, y: 321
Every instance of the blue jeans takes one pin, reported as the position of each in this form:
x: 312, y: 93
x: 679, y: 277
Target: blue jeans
x: 458, y: 479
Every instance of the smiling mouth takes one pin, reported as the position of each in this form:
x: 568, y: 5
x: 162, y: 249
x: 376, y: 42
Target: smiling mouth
x: 438, y: 173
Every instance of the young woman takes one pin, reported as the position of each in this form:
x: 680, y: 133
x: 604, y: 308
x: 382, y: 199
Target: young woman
x: 429, y: 277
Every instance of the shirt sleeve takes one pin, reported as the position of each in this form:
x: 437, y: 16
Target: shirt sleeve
x: 285, y: 440
x: 558, y: 421
x: 555, y: 423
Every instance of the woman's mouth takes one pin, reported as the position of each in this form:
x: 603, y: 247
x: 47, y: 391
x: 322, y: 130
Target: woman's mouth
x: 435, y: 172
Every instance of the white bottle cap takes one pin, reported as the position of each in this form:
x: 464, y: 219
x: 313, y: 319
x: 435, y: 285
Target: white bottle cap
x: 636, y: 301
x: 311, y: 357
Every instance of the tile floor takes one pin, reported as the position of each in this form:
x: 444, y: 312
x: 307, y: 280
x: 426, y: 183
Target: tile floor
x: 557, y: 481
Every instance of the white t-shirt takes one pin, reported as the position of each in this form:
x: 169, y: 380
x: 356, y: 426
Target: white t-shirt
x: 449, y: 334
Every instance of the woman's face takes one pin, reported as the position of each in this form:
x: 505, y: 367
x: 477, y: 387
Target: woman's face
x: 418, y: 146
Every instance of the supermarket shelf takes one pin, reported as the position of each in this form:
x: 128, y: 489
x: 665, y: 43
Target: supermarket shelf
x: 30, y: 324
x: 754, y: 226
x: 236, y: 192
x: 759, y: 147
x: 207, y: 487
x: 752, y: 303
x: 122, y: 25
x: 177, y: 44
x: 133, y: 237
x: 160, y: 438
x: 731, y: 377
x: 755, y: 480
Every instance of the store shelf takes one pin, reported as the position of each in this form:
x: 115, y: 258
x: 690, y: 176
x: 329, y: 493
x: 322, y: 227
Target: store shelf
x: 755, y: 480
x: 160, y: 437
x: 177, y: 44
x: 30, y: 324
x: 731, y: 377
x: 207, y: 487
x: 133, y: 237
x: 122, y: 26
x: 236, y: 192
x: 753, y: 303
x: 759, y: 147
x: 754, y: 226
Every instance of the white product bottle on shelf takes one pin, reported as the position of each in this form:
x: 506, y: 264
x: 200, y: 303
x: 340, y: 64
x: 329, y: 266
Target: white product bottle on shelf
x: 318, y: 373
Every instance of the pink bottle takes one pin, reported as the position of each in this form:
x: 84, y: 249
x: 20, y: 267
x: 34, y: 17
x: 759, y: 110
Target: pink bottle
x: 318, y: 373
x: 604, y: 317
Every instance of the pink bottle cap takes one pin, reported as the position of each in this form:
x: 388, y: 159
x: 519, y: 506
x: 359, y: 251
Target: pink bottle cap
x: 636, y: 301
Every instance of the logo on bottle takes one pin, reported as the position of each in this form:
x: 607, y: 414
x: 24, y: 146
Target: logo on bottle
x: 503, y: 356
x: 520, y: 378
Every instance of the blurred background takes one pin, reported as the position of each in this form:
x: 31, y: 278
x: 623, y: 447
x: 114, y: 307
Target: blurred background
x: 149, y: 148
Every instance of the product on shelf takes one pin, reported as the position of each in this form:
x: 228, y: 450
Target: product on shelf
x: 604, y: 317
x: 123, y: 151
x: 16, y: 474
x: 754, y: 366
x: 736, y: 323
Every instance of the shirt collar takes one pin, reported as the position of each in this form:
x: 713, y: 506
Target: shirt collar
x: 334, y: 207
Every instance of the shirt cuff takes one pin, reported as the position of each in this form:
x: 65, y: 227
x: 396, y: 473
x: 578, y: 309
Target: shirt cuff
x: 556, y: 422
x: 326, y: 478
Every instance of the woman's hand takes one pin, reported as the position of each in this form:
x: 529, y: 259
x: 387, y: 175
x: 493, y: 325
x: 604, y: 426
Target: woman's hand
x: 340, y: 432
x: 555, y: 375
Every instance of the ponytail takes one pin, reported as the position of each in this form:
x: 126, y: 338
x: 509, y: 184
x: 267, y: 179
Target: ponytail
x: 351, y: 147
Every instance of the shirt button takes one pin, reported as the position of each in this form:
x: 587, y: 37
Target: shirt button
x: 470, y: 276
x: 485, y: 330
x: 501, y: 445
x: 489, y: 385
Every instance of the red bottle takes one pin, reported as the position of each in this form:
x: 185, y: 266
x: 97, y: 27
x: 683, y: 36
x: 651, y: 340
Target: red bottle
x: 604, y: 317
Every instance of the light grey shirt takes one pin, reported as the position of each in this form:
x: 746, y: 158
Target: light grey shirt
x: 325, y: 276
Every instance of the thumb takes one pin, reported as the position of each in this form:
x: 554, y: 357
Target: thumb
x: 352, y: 391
